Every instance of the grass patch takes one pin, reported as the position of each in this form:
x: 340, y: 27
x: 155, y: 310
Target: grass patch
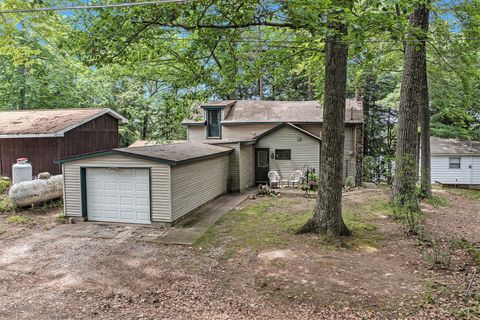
x: 258, y: 226
x: 437, y: 201
x: 472, y: 194
x: 472, y: 250
x: 273, y: 222
x: 2, y: 231
x: 20, y: 219
x: 358, y: 216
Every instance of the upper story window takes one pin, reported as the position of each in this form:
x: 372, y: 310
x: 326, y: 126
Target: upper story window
x: 213, y: 123
x: 454, y: 163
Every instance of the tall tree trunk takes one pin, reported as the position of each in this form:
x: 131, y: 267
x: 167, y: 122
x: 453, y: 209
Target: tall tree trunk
x: 327, y: 214
x: 405, y: 171
x: 425, y: 175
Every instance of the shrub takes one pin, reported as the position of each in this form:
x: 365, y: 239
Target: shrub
x: 4, y: 184
x: 6, y: 204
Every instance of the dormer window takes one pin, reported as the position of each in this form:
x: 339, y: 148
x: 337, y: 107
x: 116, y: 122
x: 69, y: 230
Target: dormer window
x: 213, y: 123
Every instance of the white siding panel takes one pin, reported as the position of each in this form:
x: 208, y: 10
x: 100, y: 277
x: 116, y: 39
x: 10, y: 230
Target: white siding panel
x: 247, y: 171
x: 469, y: 172
x: 303, y: 152
x: 160, y: 185
x: 196, y: 183
x: 475, y: 169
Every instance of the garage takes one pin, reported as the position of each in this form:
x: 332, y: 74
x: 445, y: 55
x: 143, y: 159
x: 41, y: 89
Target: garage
x: 118, y: 195
x: 144, y: 185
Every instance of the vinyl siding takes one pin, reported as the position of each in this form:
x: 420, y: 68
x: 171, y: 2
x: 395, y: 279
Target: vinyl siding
x: 196, y: 183
x: 304, y: 152
x: 247, y: 172
x: 160, y: 183
x: 233, y: 178
x: 229, y: 132
x: 348, y: 150
x: 196, y: 133
x: 441, y: 172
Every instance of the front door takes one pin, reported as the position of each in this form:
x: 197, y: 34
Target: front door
x: 261, y: 165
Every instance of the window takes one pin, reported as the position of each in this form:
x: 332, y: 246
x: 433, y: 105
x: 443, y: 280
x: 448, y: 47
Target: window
x: 213, y: 123
x: 262, y: 159
x: 454, y: 163
x: 283, y: 154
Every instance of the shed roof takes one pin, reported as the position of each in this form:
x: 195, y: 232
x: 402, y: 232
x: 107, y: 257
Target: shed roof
x: 171, y: 154
x: 262, y: 111
x: 440, y: 146
x: 48, y: 122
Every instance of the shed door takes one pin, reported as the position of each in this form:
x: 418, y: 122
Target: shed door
x: 118, y: 195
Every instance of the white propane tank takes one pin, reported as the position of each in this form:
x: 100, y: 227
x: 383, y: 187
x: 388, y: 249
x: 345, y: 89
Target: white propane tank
x: 21, y: 171
x: 35, y: 191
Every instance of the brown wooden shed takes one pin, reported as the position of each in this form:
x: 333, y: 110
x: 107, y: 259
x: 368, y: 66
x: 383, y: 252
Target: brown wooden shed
x: 43, y: 136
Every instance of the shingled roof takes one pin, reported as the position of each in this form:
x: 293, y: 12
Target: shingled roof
x: 439, y: 146
x: 48, y: 122
x: 262, y: 111
x: 171, y: 154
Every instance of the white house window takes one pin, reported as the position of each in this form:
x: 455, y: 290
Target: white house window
x: 283, y: 154
x: 213, y: 123
x: 454, y: 162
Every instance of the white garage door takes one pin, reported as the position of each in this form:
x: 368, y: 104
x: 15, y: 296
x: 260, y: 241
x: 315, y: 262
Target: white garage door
x: 118, y: 195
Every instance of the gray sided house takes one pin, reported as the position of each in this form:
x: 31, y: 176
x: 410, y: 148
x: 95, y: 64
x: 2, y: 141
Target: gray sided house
x: 274, y: 135
x: 455, y: 162
x: 232, y: 145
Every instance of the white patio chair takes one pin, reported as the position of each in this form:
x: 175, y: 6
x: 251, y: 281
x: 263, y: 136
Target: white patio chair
x: 273, y: 178
x: 296, y: 177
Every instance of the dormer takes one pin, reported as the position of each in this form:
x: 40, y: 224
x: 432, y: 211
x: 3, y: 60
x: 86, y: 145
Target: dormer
x: 214, y: 113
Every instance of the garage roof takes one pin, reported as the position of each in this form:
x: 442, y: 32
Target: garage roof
x: 48, y: 122
x: 171, y: 154
x: 441, y: 146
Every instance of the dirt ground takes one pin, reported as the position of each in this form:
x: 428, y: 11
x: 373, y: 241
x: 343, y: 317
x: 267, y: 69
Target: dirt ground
x: 250, y: 265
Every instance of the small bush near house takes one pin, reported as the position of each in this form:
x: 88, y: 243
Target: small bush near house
x: 20, y: 219
x: 4, y: 184
x: 61, y: 218
x: 6, y: 204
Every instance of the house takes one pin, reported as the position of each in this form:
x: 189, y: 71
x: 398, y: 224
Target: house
x: 274, y: 135
x: 159, y: 183
x: 43, y: 136
x: 231, y: 146
x: 455, y: 162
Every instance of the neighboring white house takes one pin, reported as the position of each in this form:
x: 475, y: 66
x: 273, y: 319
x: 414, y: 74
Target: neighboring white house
x: 455, y: 162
